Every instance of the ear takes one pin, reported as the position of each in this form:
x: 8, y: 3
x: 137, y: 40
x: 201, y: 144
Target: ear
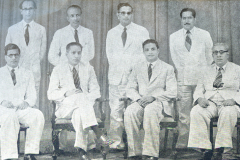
x: 117, y: 15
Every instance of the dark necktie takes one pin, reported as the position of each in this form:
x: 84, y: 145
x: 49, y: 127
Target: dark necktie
x: 188, y: 41
x: 149, y: 71
x: 26, y: 35
x: 13, y: 77
x: 124, y: 36
x: 76, y: 36
x: 76, y: 79
x: 218, y: 80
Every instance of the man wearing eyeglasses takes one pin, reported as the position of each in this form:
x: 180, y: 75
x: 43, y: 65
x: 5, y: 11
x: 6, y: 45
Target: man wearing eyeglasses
x: 74, y: 32
x: 190, y: 49
x: 217, y: 94
x: 31, y: 39
x: 17, y: 100
x: 123, y: 49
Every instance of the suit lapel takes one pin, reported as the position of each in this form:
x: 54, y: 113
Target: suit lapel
x: 144, y: 72
x: 81, y: 75
x: 156, y: 71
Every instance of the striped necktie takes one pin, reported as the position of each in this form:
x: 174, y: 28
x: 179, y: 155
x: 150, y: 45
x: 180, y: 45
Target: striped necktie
x: 76, y: 79
x: 13, y: 76
x: 149, y: 71
x: 76, y: 36
x: 218, y: 80
x: 188, y: 41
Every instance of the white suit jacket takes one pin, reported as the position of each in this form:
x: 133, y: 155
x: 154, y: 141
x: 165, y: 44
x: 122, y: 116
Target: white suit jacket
x: 231, y: 80
x: 188, y: 63
x: 36, y: 49
x: 24, y: 89
x: 122, y: 58
x: 62, y: 81
x: 64, y: 36
x: 162, y: 85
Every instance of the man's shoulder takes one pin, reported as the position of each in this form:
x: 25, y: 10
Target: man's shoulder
x: 138, y: 27
x: 39, y: 26
x: 86, y: 29
x: 177, y: 33
x: 14, y: 26
x: 166, y: 65
x: 235, y: 66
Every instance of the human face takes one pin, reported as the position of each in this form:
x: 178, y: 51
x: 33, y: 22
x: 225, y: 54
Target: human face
x: 74, y: 17
x: 188, y: 21
x: 28, y: 11
x: 220, y: 55
x: 125, y: 15
x: 74, y: 55
x: 151, y: 52
x: 12, y: 58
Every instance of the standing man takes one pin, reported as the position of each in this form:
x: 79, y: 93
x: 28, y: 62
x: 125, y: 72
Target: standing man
x: 217, y: 95
x: 124, y: 49
x: 190, y: 49
x: 74, y: 32
x: 151, y: 86
x: 17, y: 98
x: 31, y: 39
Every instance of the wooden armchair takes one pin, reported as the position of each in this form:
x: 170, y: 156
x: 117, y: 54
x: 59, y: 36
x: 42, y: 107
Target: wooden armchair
x: 167, y: 123
x: 65, y: 124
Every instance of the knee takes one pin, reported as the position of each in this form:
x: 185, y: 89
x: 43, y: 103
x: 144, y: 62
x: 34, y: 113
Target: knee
x: 196, y: 111
x: 39, y: 115
x: 229, y: 111
x: 131, y: 110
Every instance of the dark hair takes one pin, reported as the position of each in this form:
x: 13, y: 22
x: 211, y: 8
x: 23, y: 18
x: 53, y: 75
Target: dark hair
x: 75, y: 6
x: 188, y: 9
x: 120, y: 5
x: 150, y: 41
x: 34, y: 4
x: 11, y: 46
x: 73, y: 44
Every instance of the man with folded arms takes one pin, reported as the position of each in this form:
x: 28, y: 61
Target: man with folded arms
x: 217, y: 95
x: 74, y: 87
x: 151, y: 86
x: 17, y: 99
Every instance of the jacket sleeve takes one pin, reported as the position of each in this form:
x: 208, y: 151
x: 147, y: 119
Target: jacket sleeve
x: 200, y: 89
x: 43, y: 44
x: 31, y: 94
x: 55, y: 49
x: 208, y: 51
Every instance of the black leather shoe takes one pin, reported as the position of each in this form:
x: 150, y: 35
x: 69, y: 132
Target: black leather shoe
x: 29, y: 157
x: 135, y: 158
x: 217, y: 154
x: 207, y: 155
x: 83, y: 155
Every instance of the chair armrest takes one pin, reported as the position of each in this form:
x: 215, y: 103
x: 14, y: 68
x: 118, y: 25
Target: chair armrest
x: 53, y: 113
x: 126, y: 101
x: 98, y: 109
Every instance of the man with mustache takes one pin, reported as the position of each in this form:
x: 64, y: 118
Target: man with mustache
x: 123, y: 49
x: 74, y: 32
x: 190, y: 49
x: 217, y: 94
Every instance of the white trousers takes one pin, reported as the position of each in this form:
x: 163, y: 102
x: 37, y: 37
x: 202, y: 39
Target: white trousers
x: 150, y: 116
x: 200, y: 123
x: 9, y: 121
x: 116, y: 115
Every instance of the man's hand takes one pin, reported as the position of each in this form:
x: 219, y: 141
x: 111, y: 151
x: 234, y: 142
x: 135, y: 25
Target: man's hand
x: 23, y: 105
x: 203, y: 102
x: 7, y: 104
x: 229, y: 102
x: 71, y: 92
x: 144, y: 101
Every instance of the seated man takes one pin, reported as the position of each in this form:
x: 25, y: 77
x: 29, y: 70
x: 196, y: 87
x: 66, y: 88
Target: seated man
x: 74, y: 87
x: 151, y: 85
x: 217, y: 94
x: 17, y: 97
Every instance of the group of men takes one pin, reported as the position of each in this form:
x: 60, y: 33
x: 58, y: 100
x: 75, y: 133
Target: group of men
x: 205, y: 80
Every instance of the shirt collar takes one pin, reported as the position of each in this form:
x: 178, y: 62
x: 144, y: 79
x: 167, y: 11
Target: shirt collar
x: 30, y: 24
x: 71, y: 67
x: 223, y: 67
x: 10, y: 68
x: 191, y: 31
x: 73, y: 29
x: 153, y: 63
x: 128, y: 26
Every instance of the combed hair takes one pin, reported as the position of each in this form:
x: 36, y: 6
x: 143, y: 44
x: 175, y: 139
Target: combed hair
x: 120, y: 5
x: 188, y: 9
x: 225, y: 45
x: 11, y: 46
x: 75, y: 6
x: 150, y: 41
x: 73, y: 44
x: 34, y: 4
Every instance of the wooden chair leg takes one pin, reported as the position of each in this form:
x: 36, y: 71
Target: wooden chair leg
x: 238, y: 139
x: 55, y: 141
x: 165, y: 141
x: 174, y: 143
x: 211, y: 133
x: 18, y: 142
x: 125, y: 154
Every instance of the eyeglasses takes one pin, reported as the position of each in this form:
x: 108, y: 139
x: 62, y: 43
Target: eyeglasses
x: 221, y: 52
x: 124, y: 13
x: 13, y: 55
x: 28, y: 9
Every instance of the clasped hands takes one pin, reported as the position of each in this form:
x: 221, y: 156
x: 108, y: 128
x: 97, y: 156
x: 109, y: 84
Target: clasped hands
x: 145, y: 100
x: 203, y: 102
x: 9, y: 104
